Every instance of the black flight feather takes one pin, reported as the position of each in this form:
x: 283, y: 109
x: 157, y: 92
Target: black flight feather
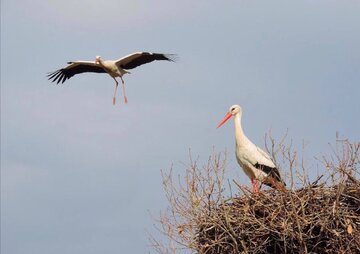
x: 147, y: 57
x: 66, y: 73
x: 273, y: 172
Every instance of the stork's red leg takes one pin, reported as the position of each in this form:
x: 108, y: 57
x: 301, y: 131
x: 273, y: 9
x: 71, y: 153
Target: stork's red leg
x: 123, y: 86
x: 114, y: 98
x: 255, y: 183
x: 252, y: 184
x: 257, y: 186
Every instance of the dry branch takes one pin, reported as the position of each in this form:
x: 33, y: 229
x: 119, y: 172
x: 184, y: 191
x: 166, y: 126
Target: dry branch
x: 319, y: 217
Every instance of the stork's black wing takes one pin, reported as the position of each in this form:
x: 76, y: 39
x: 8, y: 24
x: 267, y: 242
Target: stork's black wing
x: 136, y: 59
x: 74, y: 68
x: 270, y: 171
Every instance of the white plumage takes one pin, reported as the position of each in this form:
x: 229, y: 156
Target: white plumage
x: 255, y: 162
x: 115, y: 68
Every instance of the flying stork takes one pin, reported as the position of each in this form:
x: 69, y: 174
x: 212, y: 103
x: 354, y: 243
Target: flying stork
x: 256, y: 163
x: 115, y: 68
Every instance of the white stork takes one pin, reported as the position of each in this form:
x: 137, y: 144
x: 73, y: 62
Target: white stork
x: 115, y: 68
x: 256, y: 163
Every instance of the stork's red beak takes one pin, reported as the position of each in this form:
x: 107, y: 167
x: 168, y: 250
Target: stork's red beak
x: 226, y: 117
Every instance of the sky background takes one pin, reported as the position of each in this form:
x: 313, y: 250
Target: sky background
x: 79, y: 175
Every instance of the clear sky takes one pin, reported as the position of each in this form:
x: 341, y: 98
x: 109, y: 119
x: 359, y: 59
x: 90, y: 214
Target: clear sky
x: 79, y: 175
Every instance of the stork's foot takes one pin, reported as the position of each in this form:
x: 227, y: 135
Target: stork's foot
x: 114, y: 100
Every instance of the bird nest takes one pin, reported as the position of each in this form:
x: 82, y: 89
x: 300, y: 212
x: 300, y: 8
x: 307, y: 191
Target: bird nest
x: 315, y: 219
x: 208, y: 214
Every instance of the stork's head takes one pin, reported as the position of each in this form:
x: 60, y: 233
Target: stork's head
x: 233, y: 110
x: 97, y: 59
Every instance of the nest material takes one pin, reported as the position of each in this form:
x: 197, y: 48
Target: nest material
x: 315, y: 219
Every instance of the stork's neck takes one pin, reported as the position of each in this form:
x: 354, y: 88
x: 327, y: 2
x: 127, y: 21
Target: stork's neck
x: 101, y: 62
x: 240, y: 137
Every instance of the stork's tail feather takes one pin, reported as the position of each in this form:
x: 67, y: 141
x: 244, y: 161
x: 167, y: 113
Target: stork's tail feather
x: 272, y: 182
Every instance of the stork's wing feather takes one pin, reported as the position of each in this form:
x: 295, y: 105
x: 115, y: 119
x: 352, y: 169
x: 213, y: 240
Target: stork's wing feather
x: 138, y: 58
x: 74, y: 68
x: 265, y: 154
x: 270, y: 171
x: 266, y: 164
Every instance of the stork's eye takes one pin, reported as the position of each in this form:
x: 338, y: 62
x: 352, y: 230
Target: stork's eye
x: 232, y: 109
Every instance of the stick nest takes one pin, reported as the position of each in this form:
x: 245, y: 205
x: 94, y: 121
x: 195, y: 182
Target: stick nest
x: 208, y: 213
x: 316, y: 219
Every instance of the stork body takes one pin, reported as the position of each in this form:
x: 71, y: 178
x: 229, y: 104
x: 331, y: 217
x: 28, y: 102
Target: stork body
x: 255, y: 162
x: 115, y: 68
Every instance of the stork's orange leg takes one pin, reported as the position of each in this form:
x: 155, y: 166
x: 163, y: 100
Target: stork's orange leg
x: 255, y: 185
x: 114, y: 98
x: 252, y: 185
x: 123, y: 86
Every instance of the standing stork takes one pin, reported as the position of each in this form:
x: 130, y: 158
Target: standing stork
x: 115, y: 68
x: 256, y: 163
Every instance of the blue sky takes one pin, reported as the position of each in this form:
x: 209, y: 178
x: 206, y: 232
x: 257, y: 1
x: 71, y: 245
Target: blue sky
x: 79, y: 175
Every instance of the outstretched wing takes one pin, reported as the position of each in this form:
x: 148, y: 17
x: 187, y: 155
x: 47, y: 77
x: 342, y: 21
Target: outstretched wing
x: 74, y: 68
x: 139, y: 58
